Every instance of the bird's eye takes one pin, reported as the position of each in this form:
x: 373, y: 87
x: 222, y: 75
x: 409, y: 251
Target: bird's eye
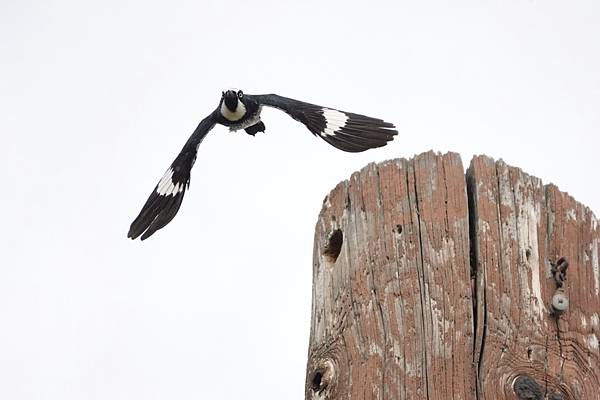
x: 240, y: 94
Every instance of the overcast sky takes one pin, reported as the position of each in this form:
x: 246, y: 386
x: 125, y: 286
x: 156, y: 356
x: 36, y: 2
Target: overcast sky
x: 97, y: 98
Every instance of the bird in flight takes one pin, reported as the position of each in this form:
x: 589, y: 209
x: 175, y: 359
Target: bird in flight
x: 236, y: 110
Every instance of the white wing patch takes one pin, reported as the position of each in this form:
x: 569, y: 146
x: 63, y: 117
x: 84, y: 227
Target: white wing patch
x: 236, y: 115
x: 335, y: 121
x: 166, y: 186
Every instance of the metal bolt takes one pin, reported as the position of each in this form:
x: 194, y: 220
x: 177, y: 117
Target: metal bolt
x: 560, y: 303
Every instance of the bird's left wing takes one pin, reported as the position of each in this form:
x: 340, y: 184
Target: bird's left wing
x: 165, y: 199
x: 344, y: 130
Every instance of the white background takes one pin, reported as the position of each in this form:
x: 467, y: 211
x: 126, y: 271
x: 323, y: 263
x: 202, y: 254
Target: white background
x: 97, y: 98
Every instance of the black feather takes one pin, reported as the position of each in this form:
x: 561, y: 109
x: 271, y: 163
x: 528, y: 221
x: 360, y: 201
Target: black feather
x: 161, y: 208
x: 359, y: 132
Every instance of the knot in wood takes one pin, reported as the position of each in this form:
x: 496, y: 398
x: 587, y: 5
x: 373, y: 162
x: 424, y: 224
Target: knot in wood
x: 559, y: 271
x: 322, y: 378
x: 527, y: 389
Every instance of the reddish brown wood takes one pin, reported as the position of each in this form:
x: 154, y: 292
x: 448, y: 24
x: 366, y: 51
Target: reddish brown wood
x: 521, y: 227
x: 400, y: 310
x: 392, y: 315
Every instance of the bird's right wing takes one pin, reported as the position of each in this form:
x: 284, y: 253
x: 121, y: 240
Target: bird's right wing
x: 344, y: 130
x: 165, y: 199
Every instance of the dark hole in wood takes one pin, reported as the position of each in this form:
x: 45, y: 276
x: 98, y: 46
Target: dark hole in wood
x: 398, y: 229
x: 315, y: 382
x: 529, y: 354
x: 528, y: 253
x: 334, y: 245
x: 527, y: 389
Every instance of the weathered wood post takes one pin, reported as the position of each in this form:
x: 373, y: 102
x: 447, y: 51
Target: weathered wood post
x: 427, y: 285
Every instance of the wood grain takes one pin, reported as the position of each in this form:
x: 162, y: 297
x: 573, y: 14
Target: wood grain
x: 430, y: 285
x: 393, y: 313
x: 521, y: 227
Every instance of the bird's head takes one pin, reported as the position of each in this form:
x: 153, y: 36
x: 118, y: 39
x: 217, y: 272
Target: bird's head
x: 231, y: 98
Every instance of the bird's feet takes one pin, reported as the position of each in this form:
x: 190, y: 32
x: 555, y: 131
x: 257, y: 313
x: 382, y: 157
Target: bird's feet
x: 254, y: 129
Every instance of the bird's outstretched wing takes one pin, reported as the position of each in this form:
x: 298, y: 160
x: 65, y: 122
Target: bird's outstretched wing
x: 346, y: 131
x: 165, y: 199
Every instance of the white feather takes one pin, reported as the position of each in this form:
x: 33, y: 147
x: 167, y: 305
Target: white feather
x: 335, y: 121
x: 165, y: 185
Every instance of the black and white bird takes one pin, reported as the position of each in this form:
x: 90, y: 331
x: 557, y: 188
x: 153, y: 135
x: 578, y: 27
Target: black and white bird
x: 346, y: 131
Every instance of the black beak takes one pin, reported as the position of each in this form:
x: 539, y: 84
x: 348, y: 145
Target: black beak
x: 231, y: 100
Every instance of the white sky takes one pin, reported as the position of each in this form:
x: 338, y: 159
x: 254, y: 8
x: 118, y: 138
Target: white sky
x: 97, y: 98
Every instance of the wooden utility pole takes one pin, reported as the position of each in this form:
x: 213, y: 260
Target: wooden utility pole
x: 431, y: 285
